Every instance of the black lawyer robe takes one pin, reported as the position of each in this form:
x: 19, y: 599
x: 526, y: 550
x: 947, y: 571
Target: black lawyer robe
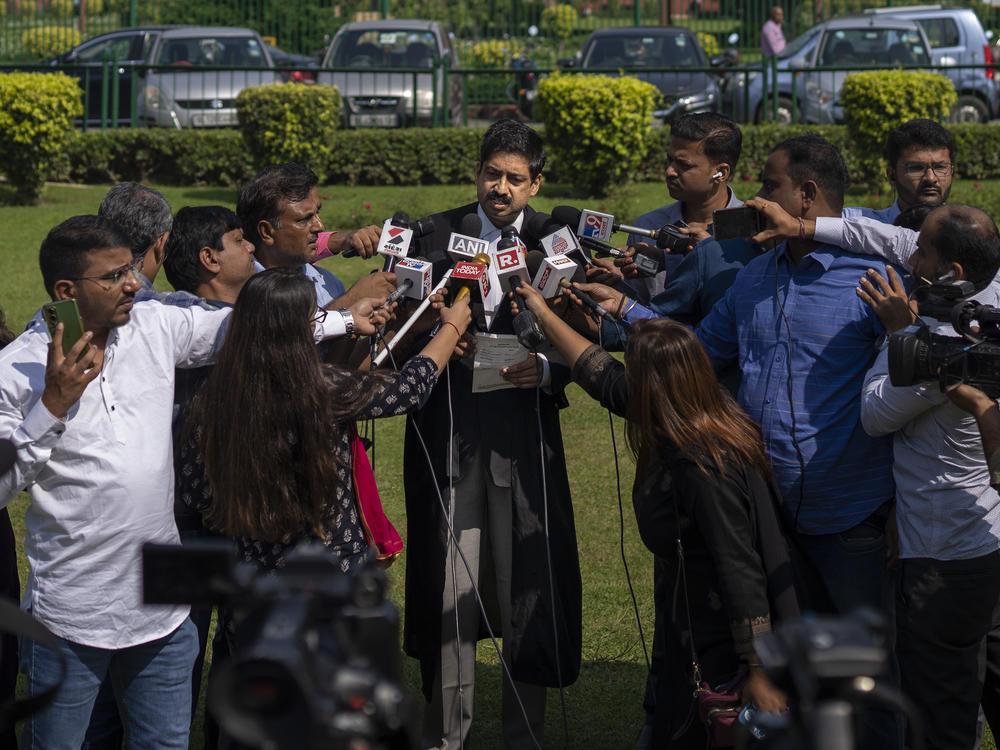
x: 505, y: 425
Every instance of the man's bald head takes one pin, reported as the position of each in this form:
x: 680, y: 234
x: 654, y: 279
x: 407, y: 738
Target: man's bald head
x: 963, y: 235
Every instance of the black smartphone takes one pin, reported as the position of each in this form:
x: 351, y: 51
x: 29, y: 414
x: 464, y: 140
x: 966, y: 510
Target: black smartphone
x: 741, y: 222
x: 66, y: 312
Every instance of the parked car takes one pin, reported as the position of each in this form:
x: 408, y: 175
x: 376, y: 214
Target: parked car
x: 372, y: 63
x: 630, y: 50
x: 196, y: 72
x: 813, y: 95
x: 957, y: 38
x: 869, y: 41
x: 126, y: 47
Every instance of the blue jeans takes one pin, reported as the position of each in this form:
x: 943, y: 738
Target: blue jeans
x: 852, y: 573
x: 151, y: 682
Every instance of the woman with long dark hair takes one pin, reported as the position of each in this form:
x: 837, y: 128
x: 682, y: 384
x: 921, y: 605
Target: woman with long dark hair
x: 276, y: 426
x: 702, y: 477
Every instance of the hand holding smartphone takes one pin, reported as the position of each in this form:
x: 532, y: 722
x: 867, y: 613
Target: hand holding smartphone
x: 66, y: 312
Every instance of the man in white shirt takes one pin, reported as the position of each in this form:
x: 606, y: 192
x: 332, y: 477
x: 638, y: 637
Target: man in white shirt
x: 93, y: 439
x: 94, y: 453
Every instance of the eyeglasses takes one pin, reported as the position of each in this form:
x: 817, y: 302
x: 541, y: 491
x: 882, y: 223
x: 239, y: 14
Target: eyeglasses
x: 919, y: 169
x: 319, y: 317
x: 116, y: 277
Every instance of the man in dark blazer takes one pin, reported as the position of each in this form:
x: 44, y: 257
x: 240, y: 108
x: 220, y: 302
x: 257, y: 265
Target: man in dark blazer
x: 485, y: 465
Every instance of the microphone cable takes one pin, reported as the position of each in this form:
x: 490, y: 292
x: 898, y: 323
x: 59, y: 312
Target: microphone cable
x: 621, y: 511
x: 539, y: 370
x: 468, y: 568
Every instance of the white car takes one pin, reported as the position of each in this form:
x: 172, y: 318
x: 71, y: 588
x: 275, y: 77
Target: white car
x: 376, y: 66
x: 196, y: 72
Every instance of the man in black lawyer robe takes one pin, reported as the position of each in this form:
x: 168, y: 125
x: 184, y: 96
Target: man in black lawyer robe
x: 496, y: 472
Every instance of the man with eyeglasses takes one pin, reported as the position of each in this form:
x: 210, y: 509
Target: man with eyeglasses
x: 919, y: 169
x: 92, y: 432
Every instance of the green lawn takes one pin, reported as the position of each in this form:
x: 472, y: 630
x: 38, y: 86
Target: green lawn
x: 603, y: 707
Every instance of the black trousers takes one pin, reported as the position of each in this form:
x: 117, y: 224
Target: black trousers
x: 948, y: 645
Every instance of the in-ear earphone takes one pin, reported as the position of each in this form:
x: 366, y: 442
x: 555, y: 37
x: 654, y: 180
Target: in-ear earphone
x: 717, y: 175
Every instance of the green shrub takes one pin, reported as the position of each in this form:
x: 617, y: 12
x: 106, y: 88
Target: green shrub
x: 61, y: 8
x: 424, y: 156
x: 875, y: 102
x: 289, y: 122
x: 558, y: 21
x: 36, y: 122
x: 165, y: 156
x: 45, y: 42
x: 708, y: 43
x: 493, y: 53
x: 597, y: 127
x: 410, y: 156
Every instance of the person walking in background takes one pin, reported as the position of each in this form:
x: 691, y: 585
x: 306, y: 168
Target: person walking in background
x: 772, y: 38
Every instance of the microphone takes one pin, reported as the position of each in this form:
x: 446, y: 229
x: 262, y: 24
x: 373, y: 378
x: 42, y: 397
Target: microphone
x: 414, y: 280
x: 465, y: 243
x: 595, y: 229
x: 472, y: 275
x: 585, y: 298
x: 394, y: 241
x: 8, y: 455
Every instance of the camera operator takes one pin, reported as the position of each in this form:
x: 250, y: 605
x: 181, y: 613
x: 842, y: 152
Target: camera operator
x: 948, y: 515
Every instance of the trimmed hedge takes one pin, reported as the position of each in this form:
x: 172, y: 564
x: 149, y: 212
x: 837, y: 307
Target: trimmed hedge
x: 44, y: 42
x: 36, y: 123
x: 285, y: 122
x: 876, y: 101
x: 598, y: 127
x: 418, y: 156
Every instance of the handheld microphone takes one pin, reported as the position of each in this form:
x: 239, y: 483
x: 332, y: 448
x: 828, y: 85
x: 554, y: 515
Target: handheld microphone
x: 585, y: 298
x: 526, y: 326
x: 472, y: 276
x: 390, y: 243
x: 465, y: 243
x: 414, y: 280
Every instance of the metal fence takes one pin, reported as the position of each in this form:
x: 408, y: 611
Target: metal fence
x: 37, y: 30
x: 129, y: 95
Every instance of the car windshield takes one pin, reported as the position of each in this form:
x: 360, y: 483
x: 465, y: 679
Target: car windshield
x: 795, y: 46
x: 652, y: 51
x: 384, y: 48
x: 241, y: 51
x: 873, y: 46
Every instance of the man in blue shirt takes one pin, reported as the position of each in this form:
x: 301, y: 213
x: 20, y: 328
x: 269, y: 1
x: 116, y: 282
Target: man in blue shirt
x: 803, y: 341
x: 279, y: 209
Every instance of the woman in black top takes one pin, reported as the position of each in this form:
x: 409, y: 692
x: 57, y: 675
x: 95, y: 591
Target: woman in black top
x: 698, y: 459
x: 275, y: 425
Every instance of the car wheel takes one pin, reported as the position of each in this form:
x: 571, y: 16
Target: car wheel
x: 785, y: 108
x: 969, y: 108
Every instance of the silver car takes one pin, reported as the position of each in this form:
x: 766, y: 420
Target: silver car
x: 191, y: 81
x: 375, y: 65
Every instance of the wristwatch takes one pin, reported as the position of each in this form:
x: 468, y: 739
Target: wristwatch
x: 348, y: 317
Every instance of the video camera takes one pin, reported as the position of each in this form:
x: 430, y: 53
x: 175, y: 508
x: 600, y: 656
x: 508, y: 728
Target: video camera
x: 973, y: 357
x: 316, y: 662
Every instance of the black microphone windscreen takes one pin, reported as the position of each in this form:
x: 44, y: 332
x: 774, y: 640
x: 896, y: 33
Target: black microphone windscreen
x: 533, y: 261
x: 400, y: 219
x: 8, y: 454
x: 567, y: 215
x: 421, y: 227
x: 509, y: 231
x: 539, y: 225
x: 471, y: 225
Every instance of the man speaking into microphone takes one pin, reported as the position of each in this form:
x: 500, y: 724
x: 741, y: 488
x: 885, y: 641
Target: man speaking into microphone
x: 485, y: 454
